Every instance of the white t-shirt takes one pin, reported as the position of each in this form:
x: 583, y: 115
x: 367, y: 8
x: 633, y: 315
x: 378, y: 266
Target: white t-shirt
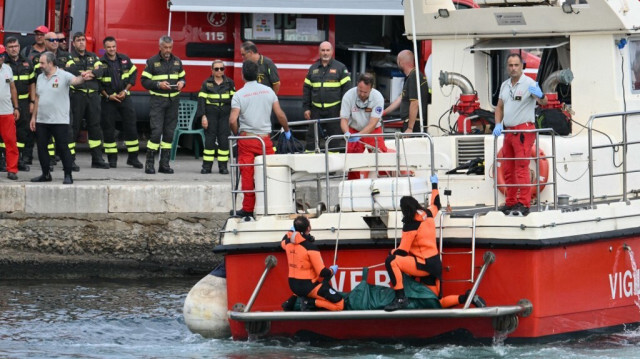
x: 6, y: 76
x: 53, y: 97
x: 359, y: 112
x: 255, y: 102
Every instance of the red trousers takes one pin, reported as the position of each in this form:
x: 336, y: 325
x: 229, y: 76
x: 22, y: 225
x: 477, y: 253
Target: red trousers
x: 359, y: 147
x: 247, y: 151
x: 518, y: 145
x: 8, y: 134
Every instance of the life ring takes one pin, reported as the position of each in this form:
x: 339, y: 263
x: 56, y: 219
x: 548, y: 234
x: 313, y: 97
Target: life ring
x: 544, y: 172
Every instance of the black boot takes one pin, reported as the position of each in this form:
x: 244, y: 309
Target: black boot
x: 113, y: 160
x: 96, y: 159
x: 222, y: 168
x: 477, y: 300
x: 21, y: 165
x: 206, y: 167
x: 74, y: 166
x: 149, y: 165
x: 28, y: 155
x: 67, y: 178
x: 3, y: 161
x: 165, y: 155
x: 45, y: 177
x: 400, y: 302
x: 289, y: 304
x: 132, y: 160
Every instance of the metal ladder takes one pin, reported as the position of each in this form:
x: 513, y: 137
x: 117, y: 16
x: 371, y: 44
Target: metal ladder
x: 471, y: 252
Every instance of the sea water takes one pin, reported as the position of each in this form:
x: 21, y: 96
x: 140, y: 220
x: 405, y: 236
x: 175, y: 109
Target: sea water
x: 143, y: 319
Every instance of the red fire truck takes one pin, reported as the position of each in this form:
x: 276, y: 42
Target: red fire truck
x: 215, y: 29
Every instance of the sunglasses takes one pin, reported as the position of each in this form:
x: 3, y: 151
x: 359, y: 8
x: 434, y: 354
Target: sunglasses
x: 218, y: 69
x: 54, y: 40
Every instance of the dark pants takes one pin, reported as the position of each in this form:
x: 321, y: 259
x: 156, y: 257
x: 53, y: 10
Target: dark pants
x: 60, y: 133
x: 325, y: 130
x: 23, y: 133
x: 111, y: 110
x: 217, y: 133
x: 163, y: 118
x: 85, y: 106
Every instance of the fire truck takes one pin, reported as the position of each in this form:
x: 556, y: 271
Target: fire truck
x: 208, y: 30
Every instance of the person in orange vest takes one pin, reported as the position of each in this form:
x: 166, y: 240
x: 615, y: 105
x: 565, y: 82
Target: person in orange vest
x: 417, y: 255
x: 308, y: 277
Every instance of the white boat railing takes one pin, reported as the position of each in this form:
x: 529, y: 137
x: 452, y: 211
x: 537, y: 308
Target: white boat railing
x: 625, y: 151
x: 397, y: 136
x: 537, y: 159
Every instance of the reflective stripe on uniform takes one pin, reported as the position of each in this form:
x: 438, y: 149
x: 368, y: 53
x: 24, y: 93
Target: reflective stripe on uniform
x: 94, y: 143
x: 110, y: 147
x: 172, y: 94
x: 325, y: 105
x: 153, y: 146
x: 165, y: 145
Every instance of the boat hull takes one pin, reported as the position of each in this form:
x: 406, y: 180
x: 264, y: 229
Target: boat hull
x: 573, y: 288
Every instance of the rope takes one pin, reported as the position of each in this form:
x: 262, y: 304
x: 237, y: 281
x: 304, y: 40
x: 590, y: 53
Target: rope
x: 369, y: 267
x: 344, y: 173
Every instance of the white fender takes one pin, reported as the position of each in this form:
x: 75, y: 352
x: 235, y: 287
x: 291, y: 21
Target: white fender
x: 205, y: 308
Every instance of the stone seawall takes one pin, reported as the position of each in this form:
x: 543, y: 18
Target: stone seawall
x: 108, y: 245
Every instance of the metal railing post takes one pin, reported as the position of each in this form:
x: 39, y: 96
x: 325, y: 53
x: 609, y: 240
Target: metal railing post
x: 269, y: 263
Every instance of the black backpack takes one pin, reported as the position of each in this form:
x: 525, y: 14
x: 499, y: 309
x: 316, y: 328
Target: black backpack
x: 554, y: 118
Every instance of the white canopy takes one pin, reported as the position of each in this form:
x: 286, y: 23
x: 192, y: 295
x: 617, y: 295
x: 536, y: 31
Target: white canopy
x: 328, y: 7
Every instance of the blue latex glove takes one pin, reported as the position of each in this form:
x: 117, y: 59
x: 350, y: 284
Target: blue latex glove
x: 351, y: 137
x: 536, y: 91
x: 434, y: 179
x: 287, y: 135
x: 497, y: 131
x: 334, y: 269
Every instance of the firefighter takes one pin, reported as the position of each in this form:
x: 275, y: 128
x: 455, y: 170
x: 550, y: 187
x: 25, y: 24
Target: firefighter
x: 214, y: 105
x: 38, y: 46
x: 85, y: 99
x: 119, y: 78
x: 408, y: 99
x: 51, y: 44
x: 417, y: 255
x: 250, y: 115
x: 25, y: 82
x: 267, y: 71
x: 308, y: 277
x: 326, y: 82
x: 9, y: 114
x: 164, y: 77
x: 62, y: 41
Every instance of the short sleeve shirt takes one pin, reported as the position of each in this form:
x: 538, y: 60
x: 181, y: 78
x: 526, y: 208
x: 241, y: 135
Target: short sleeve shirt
x: 359, y: 112
x: 53, y: 97
x: 255, y: 102
x: 267, y: 72
x: 410, y: 93
x: 6, y: 76
x: 519, y: 104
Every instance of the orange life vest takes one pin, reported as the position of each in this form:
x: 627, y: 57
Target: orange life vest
x: 303, y: 257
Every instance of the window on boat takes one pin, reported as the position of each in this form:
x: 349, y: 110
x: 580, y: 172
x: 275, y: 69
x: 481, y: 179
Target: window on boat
x: 542, y: 57
x: 284, y: 28
x: 634, y: 52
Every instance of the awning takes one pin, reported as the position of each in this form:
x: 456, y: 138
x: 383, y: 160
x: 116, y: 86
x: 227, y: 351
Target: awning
x: 519, y: 43
x: 320, y: 7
